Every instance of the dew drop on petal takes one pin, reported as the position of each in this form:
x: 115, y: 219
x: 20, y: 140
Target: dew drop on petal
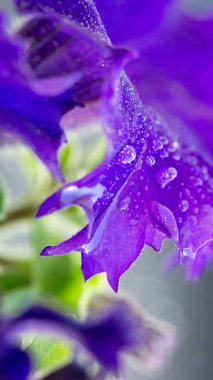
x: 198, y: 182
x: 196, y: 210
x: 128, y: 155
x: 166, y: 175
x: 188, y: 252
x: 164, y: 154
x: 133, y: 222
x: 124, y: 204
x: 164, y: 140
x: 157, y: 145
x: 173, y: 146
x: 176, y: 156
x: 150, y: 160
x: 184, y: 205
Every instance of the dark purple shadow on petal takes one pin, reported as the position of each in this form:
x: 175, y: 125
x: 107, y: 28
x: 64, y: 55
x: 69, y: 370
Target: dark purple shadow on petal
x: 14, y: 363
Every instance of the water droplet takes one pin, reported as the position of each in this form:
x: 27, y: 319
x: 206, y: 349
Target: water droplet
x: 164, y: 154
x: 166, y: 175
x: 188, y: 252
x: 157, y: 145
x: 133, y: 222
x: 196, y: 210
x: 184, y: 205
x: 150, y: 160
x: 173, y: 146
x: 164, y: 139
x: 176, y: 156
x: 124, y: 204
x: 128, y: 155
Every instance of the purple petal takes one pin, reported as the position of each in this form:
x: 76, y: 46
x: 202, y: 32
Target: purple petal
x: 174, y: 75
x: 83, y: 12
x: 106, y: 335
x: 13, y: 361
x: 142, y: 17
x: 20, y: 108
x: 73, y: 244
x: 83, y: 192
x: 156, y: 187
x: 58, y: 48
x: 73, y: 372
x: 39, y: 92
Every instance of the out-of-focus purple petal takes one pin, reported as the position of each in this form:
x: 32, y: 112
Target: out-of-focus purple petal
x: 39, y: 92
x: 73, y: 372
x: 58, y: 48
x: 141, y: 16
x: 105, y: 335
x: 174, y: 75
x: 13, y: 363
x: 24, y: 114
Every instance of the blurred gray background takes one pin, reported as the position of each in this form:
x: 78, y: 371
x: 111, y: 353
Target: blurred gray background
x: 187, y: 305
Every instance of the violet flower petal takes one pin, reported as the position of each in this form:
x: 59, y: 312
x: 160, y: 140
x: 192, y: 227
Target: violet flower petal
x: 143, y: 17
x: 33, y: 82
x: 157, y: 187
x: 13, y: 361
x: 106, y: 336
x: 58, y: 48
x: 174, y: 74
x: 73, y: 372
x: 20, y: 107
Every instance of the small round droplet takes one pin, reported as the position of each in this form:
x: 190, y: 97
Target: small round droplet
x: 157, y: 145
x: 128, y: 155
x: 198, y: 182
x: 150, y: 160
x: 166, y: 175
x: 173, y: 146
x: 176, y: 156
x: 164, y: 154
x: 184, y: 205
x: 164, y: 139
x: 196, y: 210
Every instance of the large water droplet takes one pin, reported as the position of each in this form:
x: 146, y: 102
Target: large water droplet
x: 184, y: 205
x: 166, y: 175
x: 150, y: 160
x: 188, y: 252
x: 128, y: 155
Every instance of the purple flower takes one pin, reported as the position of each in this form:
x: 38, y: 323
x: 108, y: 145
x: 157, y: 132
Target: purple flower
x: 47, y: 68
x: 108, y: 333
x: 153, y: 185
x: 13, y: 361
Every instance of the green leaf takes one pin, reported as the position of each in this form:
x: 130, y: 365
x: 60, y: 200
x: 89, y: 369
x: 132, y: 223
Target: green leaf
x: 58, y: 277
x: 14, y: 277
x: 49, y: 353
